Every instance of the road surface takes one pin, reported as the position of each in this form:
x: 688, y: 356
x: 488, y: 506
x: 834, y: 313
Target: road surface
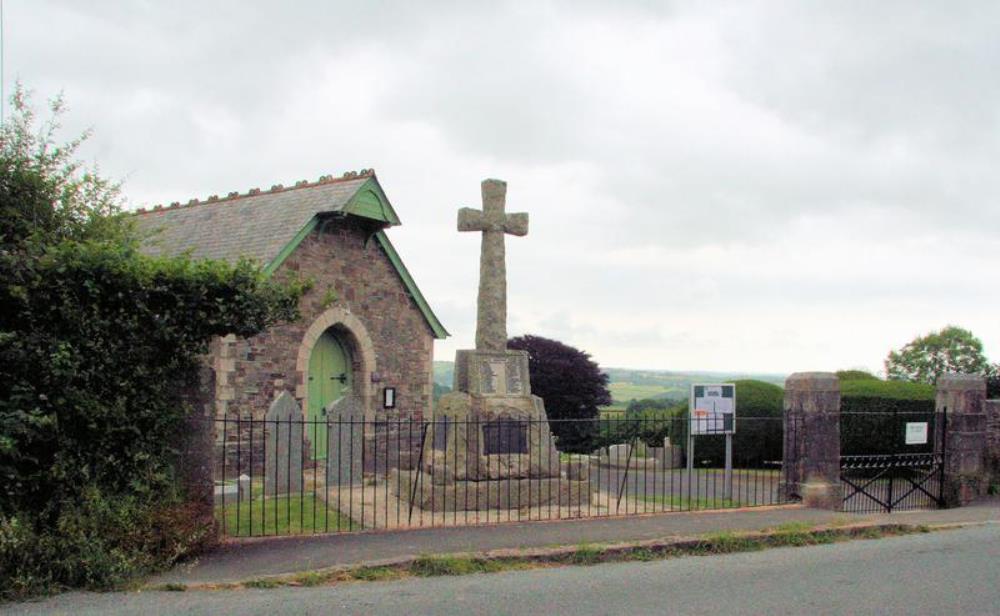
x: 946, y: 572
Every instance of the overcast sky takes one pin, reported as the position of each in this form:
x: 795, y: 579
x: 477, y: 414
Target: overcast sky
x: 751, y: 186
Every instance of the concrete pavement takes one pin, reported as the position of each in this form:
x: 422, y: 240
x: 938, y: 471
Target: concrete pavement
x: 246, y: 560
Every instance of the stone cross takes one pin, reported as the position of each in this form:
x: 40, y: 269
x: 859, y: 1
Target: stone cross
x: 491, y: 321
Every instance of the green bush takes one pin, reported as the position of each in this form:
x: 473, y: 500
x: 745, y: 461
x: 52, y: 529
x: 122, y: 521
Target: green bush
x: 874, y: 414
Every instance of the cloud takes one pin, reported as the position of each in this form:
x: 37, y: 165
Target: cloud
x: 759, y: 186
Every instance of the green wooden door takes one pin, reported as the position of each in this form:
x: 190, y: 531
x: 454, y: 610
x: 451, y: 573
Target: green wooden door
x: 329, y: 377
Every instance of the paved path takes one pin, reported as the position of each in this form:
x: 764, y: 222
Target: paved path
x: 949, y: 572
x: 251, y: 559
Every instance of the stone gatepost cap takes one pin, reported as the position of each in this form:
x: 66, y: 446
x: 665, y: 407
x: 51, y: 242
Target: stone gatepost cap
x: 813, y: 381
x: 961, y: 382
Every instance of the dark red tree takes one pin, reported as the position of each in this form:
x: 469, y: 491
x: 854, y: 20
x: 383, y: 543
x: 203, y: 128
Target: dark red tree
x: 572, y: 386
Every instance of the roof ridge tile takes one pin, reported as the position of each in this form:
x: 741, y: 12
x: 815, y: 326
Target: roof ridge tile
x: 253, y: 192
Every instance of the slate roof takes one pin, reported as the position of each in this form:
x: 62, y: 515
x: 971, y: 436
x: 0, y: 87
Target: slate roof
x: 266, y: 226
x: 257, y: 224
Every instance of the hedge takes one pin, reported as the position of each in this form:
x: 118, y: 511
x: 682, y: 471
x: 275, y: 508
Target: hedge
x: 97, y: 346
x: 873, y: 415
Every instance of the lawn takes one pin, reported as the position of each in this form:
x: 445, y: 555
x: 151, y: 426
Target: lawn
x: 286, y: 515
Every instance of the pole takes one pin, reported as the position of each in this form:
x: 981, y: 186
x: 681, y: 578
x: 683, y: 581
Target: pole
x: 728, y: 483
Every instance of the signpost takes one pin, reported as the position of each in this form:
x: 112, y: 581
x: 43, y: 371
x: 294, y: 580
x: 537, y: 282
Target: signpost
x: 712, y: 410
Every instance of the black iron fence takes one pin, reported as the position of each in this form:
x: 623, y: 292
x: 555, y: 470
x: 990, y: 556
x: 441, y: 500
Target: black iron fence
x: 898, y: 466
x: 294, y: 476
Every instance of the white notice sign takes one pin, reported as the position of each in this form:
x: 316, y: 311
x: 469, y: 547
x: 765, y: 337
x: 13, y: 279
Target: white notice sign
x: 713, y: 409
x: 916, y: 433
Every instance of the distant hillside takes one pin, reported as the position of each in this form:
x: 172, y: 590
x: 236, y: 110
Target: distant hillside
x: 628, y: 384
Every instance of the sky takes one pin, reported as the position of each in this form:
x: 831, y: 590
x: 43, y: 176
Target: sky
x: 728, y: 186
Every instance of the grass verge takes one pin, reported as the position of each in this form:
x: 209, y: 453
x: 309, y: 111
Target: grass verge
x: 795, y: 534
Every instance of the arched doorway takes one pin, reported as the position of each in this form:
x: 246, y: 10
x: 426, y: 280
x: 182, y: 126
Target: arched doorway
x: 330, y: 376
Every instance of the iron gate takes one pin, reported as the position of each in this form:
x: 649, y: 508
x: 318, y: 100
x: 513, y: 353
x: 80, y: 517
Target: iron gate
x: 882, y: 470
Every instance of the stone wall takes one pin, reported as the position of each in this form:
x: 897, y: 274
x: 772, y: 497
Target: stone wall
x: 356, y: 288
x: 993, y: 439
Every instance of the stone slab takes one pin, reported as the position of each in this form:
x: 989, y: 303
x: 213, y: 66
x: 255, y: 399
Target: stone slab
x: 283, y: 446
x: 344, y: 433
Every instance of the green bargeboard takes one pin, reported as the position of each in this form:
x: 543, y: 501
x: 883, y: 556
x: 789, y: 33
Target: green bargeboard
x: 329, y: 375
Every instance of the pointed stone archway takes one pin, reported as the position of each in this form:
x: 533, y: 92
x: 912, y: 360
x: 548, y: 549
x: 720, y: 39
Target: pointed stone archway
x: 352, y: 331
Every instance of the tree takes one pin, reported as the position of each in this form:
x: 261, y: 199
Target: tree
x: 952, y: 349
x: 572, y: 386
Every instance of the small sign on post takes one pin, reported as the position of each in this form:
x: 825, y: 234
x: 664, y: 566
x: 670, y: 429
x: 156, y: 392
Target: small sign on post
x: 712, y: 410
x: 916, y: 433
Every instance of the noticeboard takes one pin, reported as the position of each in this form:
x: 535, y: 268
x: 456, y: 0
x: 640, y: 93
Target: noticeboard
x: 713, y: 408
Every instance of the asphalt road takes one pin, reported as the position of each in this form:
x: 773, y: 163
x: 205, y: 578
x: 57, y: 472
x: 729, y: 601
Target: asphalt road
x: 946, y: 572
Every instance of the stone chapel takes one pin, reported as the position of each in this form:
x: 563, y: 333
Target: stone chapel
x: 365, y: 328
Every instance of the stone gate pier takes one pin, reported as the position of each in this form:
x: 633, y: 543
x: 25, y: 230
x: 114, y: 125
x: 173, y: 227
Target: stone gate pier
x: 962, y: 398
x: 812, y: 439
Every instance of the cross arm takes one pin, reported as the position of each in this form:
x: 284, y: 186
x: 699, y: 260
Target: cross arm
x: 516, y: 224
x: 470, y: 219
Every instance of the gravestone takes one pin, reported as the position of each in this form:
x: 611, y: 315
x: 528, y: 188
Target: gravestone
x: 344, y: 433
x: 283, y: 446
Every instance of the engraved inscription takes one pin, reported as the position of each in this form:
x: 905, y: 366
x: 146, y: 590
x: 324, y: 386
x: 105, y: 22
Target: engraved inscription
x: 494, y: 376
x: 515, y: 382
x: 505, y: 437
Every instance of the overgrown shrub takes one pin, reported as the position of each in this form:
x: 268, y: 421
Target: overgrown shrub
x: 97, y: 346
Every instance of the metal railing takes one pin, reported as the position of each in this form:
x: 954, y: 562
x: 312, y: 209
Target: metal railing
x: 294, y: 476
x: 892, y: 474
